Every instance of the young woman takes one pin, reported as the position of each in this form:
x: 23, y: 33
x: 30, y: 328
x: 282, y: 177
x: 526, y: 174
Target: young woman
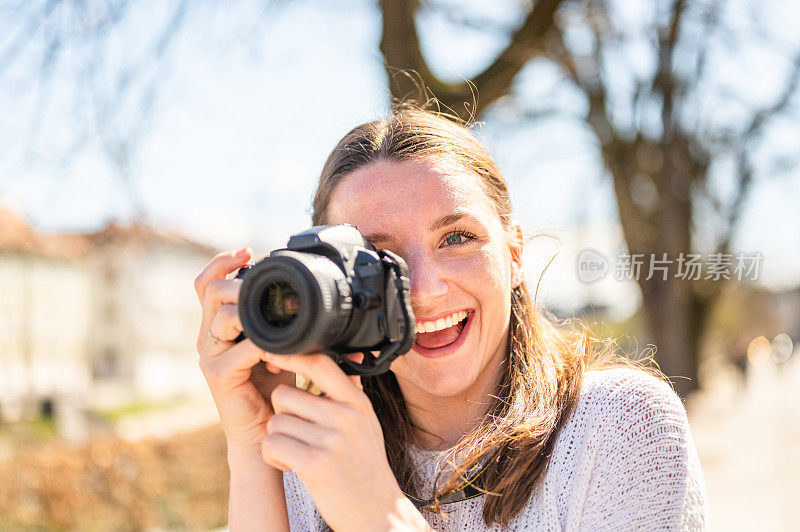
x: 496, y: 419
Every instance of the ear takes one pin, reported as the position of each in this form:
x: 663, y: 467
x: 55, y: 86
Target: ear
x: 515, y: 245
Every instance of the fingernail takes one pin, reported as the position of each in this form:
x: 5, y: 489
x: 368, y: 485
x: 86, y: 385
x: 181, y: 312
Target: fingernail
x: 242, y: 252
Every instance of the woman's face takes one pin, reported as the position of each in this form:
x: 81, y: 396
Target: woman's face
x: 461, y: 261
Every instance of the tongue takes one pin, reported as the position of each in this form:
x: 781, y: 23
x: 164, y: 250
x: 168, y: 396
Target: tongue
x: 435, y: 340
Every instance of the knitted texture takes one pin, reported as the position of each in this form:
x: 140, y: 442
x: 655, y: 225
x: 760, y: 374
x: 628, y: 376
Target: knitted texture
x: 624, y: 460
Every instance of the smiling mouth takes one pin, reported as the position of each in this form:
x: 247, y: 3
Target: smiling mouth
x: 429, y: 336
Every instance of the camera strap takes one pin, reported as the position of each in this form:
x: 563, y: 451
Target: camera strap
x: 399, y: 328
x: 471, y: 489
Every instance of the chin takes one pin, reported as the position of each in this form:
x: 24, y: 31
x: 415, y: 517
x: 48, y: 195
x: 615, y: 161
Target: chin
x: 445, y: 381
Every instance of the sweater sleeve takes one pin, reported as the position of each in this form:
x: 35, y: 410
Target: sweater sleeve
x: 303, y: 513
x: 646, y: 473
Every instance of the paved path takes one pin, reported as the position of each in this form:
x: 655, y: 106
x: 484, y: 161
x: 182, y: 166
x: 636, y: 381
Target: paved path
x: 188, y: 416
x: 748, y: 438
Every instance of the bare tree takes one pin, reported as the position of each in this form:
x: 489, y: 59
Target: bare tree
x: 658, y: 152
x: 655, y: 136
x: 109, y: 60
x: 113, y: 93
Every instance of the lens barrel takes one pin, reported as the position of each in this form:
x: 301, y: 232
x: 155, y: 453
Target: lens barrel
x: 292, y: 302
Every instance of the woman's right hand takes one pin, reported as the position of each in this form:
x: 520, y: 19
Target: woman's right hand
x: 240, y: 381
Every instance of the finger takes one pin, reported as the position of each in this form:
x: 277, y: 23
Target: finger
x: 230, y: 367
x: 287, y: 399
x: 219, y: 267
x: 323, y: 371
x: 277, y: 465
x: 265, y: 382
x: 301, y: 430
x: 272, y: 368
x: 219, y: 292
x: 358, y: 358
x: 284, y: 452
x: 226, y: 324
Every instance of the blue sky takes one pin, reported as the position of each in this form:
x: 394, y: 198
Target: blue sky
x: 243, y: 125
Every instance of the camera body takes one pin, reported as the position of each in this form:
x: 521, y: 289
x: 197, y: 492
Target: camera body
x: 329, y: 291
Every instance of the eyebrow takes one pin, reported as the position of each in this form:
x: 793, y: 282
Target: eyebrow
x: 444, y: 221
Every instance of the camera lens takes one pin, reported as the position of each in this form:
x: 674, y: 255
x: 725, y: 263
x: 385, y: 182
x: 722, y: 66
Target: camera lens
x: 281, y: 304
x: 291, y: 302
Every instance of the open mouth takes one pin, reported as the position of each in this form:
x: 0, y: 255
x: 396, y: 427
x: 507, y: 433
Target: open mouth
x: 434, y: 336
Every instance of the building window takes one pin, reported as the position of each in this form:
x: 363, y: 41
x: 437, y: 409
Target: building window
x: 107, y: 365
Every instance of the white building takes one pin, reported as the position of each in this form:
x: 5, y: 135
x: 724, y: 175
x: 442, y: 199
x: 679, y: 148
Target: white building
x: 96, y: 320
x: 44, y: 316
x: 146, y: 315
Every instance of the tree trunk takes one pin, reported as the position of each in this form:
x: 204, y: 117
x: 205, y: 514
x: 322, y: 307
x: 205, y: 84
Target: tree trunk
x: 675, y: 307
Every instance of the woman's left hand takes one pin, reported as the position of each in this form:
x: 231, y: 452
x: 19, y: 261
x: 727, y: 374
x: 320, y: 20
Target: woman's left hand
x: 335, y: 446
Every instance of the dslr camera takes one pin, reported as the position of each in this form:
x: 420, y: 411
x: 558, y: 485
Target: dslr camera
x: 329, y: 291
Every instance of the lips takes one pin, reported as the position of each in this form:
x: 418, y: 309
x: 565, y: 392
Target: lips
x: 442, y: 342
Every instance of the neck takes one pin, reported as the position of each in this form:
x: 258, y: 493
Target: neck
x: 445, y: 420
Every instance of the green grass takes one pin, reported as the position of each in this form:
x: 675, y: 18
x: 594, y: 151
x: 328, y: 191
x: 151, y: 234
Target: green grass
x: 114, y: 415
x: 39, y: 430
x: 43, y: 428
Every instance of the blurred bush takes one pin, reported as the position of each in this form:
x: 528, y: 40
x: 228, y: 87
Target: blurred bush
x: 111, y: 484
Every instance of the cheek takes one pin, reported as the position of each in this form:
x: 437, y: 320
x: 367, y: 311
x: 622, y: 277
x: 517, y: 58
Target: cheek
x: 489, y: 266
x: 491, y: 288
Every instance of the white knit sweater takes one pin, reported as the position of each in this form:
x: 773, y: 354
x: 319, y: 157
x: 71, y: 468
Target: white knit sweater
x: 624, y: 460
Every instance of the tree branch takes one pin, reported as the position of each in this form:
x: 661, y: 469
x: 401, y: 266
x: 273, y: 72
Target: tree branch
x: 664, y: 80
x: 743, y: 164
x: 466, y: 22
x: 401, y: 50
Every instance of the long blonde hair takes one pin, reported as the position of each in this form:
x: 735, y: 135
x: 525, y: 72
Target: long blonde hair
x: 544, y: 367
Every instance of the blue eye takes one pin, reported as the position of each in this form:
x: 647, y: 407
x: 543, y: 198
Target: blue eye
x: 454, y: 240
x: 458, y: 238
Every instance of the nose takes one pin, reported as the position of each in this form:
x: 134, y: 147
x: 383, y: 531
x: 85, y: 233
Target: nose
x: 428, y: 285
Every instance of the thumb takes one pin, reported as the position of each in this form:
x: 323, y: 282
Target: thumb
x: 358, y: 358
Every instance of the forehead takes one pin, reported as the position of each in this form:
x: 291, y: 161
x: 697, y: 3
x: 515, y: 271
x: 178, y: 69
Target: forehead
x: 391, y: 194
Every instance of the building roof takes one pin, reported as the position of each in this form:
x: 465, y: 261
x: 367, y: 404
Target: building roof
x: 142, y: 233
x: 15, y: 233
x: 18, y: 235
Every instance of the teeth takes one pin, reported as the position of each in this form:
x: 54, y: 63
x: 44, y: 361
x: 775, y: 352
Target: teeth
x: 441, y: 323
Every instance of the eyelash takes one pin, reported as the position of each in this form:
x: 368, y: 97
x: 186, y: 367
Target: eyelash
x: 460, y: 232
